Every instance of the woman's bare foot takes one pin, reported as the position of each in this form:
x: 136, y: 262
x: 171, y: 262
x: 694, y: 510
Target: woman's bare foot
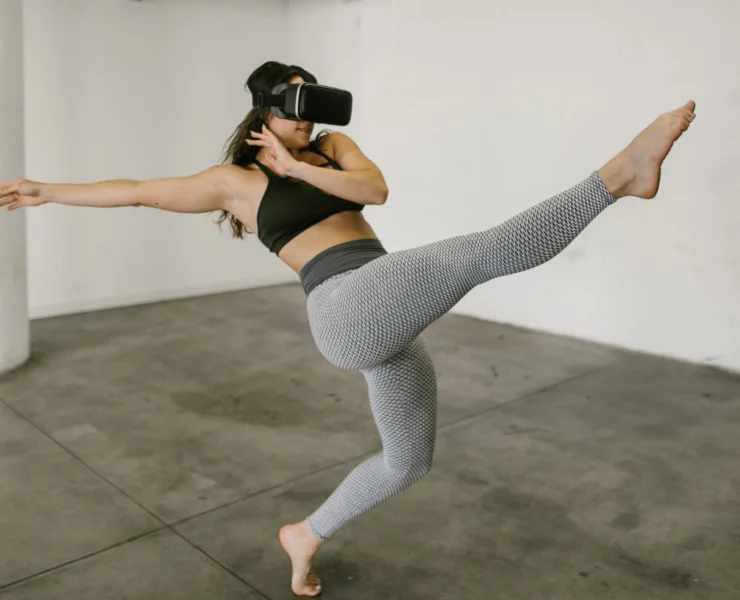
x: 636, y: 170
x: 301, y: 545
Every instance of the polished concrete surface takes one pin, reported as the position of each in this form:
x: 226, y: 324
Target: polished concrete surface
x: 154, y: 451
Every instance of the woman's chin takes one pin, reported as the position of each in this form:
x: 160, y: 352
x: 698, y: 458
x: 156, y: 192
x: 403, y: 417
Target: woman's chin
x: 302, y: 140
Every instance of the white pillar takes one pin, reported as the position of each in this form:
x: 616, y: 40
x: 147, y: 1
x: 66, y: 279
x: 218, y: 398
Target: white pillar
x: 14, y: 321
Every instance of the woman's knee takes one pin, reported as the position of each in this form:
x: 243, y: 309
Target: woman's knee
x: 423, y: 467
x: 416, y: 466
x: 406, y: 477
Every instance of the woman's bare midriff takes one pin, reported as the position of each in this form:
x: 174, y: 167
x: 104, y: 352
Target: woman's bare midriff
x: 336, y: 229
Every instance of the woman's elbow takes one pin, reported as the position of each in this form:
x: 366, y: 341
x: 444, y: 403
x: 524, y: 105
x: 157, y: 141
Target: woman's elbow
x: 381, y: 194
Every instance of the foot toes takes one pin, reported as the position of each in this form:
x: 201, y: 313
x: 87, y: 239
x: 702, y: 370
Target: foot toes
x: 684, y: 112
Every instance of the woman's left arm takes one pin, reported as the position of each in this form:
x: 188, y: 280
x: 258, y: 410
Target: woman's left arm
x: 360, y: 180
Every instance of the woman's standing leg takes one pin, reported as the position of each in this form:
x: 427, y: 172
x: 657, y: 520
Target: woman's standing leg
x: 403, y: 398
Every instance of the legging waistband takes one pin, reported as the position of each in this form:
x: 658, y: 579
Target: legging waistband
x: 338, y: 259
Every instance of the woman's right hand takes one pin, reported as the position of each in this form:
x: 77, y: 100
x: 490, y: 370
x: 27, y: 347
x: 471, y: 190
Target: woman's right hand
x: 20, y: 193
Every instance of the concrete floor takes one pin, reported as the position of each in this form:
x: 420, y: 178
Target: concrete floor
x: 152, y: 452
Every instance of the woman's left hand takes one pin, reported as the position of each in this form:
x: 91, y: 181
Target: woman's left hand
x: 277, y: 158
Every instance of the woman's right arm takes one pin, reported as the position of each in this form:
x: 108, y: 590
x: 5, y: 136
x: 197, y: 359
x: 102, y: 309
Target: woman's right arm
x: 213, y: 189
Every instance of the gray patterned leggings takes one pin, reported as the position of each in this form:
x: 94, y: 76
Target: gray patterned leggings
x: 370, y: 319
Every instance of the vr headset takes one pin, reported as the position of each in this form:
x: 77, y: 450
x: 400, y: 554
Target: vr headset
x: 307, y: 102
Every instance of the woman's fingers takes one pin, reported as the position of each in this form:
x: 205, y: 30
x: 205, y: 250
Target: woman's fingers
x: 8, y: 188
x: 265, y: 133
x: 267, y: 136
x: 19, y: 193
x: 9, y: 199
x: 12, y: 202
x: 268, y: 133
x: 258, y: 143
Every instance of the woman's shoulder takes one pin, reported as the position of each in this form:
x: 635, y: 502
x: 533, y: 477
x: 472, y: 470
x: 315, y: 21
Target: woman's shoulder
x: 247, y: 173
x: 330, y: 143
x: 328, y: 140
x: 346, y: 152
x: 244, y: 182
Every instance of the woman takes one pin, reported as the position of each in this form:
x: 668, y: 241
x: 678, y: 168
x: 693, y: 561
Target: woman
x: 366, y: 307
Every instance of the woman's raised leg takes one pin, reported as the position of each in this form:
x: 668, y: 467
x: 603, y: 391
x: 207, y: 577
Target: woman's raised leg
x: 377, y: 310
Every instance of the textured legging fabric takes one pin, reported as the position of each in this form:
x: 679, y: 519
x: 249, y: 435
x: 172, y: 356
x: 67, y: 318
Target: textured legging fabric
x: 370, y: 319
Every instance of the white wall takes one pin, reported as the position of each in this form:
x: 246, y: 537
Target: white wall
x: 477, y: 110
x: 119, y: 89
x: 126, y: 90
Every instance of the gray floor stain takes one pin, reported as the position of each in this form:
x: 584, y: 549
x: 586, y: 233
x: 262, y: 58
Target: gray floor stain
x: 626, y: 521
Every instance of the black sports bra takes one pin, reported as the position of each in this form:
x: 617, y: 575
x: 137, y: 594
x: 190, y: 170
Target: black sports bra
x: 289, y: 207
